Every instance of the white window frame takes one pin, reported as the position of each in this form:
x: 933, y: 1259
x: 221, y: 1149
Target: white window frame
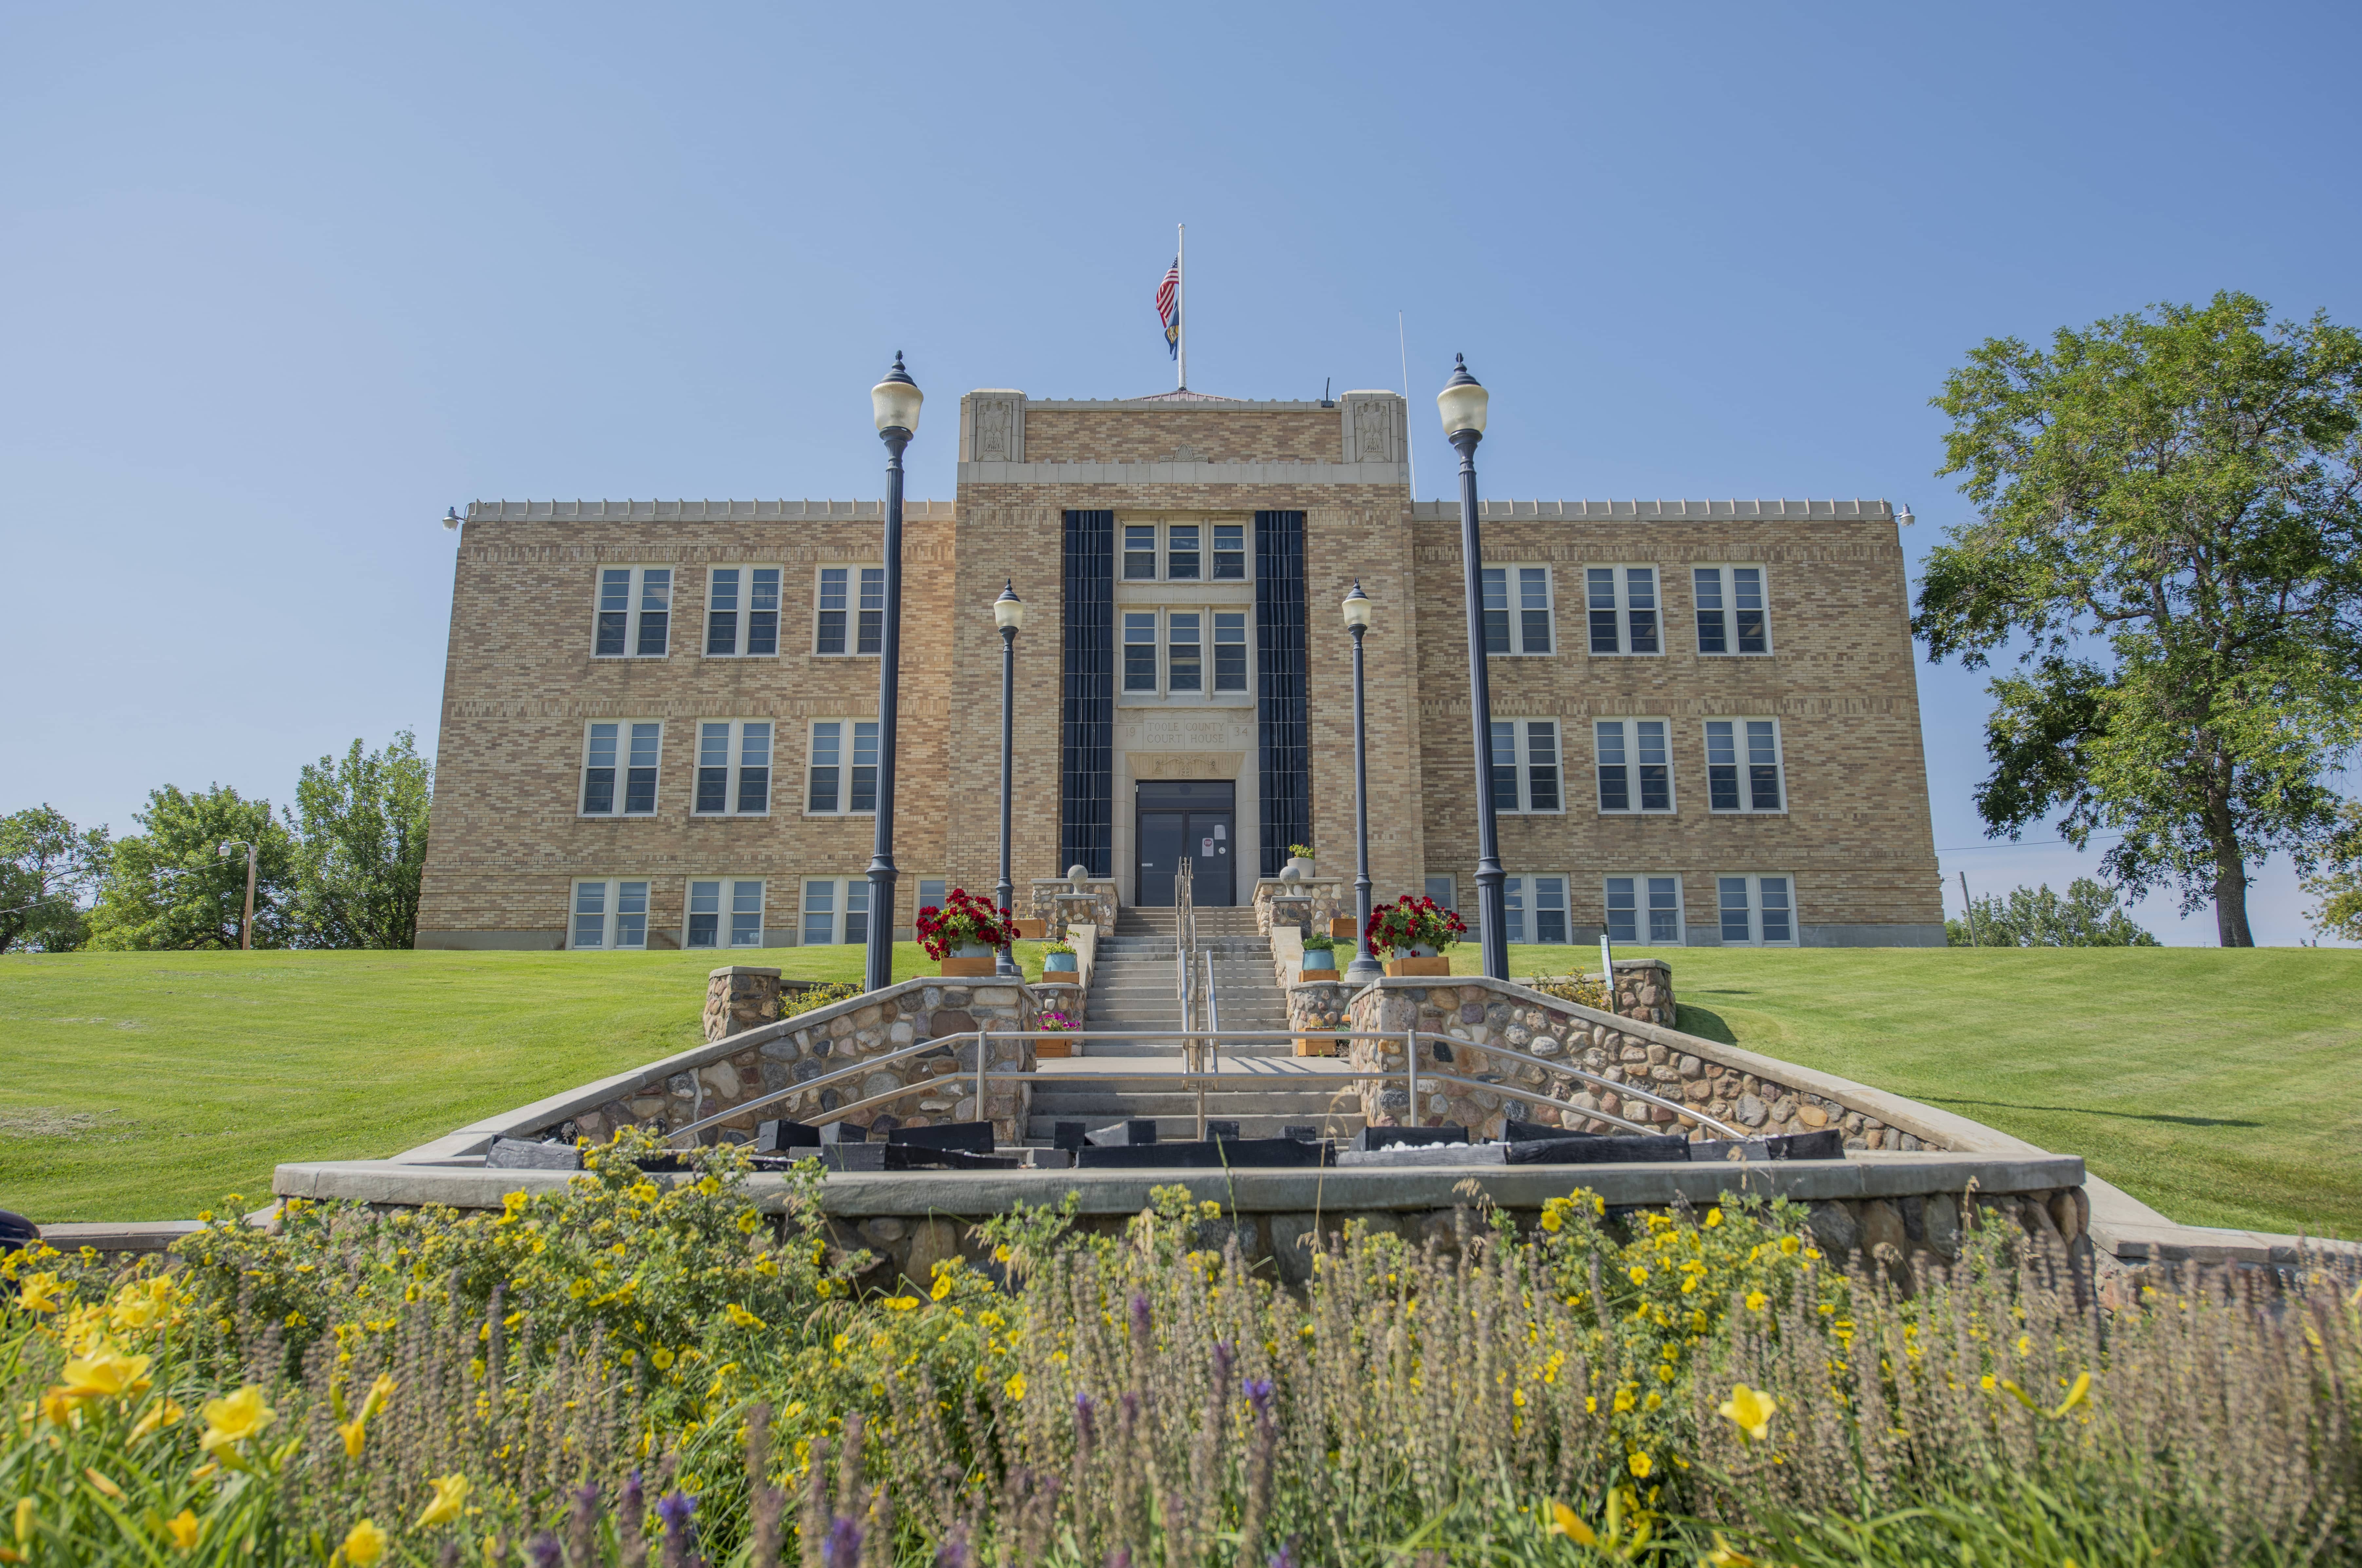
x: 614, y: 921
x: 848, y: 748
x: 1523, y: 766
x: 1633, y: 750
x: 1619, y: 602
x: 728, y: 898
x: 1215, y: 643
x: 1523, y: 896
x: 1518, y: 581
x: 1161, y: 545
x: 634, y: 610
x: 836, y: 916
x: 1644, y: 889
x: 1749, y: 885
x: 621, y: 754
x: 734, y: 768
x: 743, y: 591
x: 1744, y: 738
x: 856, y: 584
x: 1158, y: 619
x: 1725, y: 586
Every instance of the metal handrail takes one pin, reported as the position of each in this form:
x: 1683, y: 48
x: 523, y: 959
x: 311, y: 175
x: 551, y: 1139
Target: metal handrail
x: 1410, y: 1071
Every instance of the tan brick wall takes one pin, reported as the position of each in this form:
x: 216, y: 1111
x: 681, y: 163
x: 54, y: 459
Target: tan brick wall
x: 1182, y: 434
x: 1856, y: 834
x: 520, y: 684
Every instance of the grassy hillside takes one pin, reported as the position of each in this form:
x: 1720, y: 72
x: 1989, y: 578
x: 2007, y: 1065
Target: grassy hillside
x: 2223, y: 1088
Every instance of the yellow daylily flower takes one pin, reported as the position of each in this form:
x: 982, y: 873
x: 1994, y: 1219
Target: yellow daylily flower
x: 105, y: 1374
x: 1566, y: 1522
x: 354, y: 1433
x: 1725, y: 1555
x: 102, y: 1483
x: 161, y: 1414
x: 450, y: 1495
x: 232, y: 1420
x: 182, y: 1531
x: 365, y: 1543
x: 1750, y: 1410
x: 41, y: 1293
x: 24, y: 1521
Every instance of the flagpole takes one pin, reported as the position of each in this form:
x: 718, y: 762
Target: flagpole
x: 1181, y: 304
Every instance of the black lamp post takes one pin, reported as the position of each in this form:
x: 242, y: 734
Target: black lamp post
x: 1008, y: 614
x: 1364, y: 967
x: 1463, y: 404
x: 896, y: 402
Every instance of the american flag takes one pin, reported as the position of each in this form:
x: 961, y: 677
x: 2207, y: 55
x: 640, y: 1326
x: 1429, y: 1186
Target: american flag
x: 1168, y: 307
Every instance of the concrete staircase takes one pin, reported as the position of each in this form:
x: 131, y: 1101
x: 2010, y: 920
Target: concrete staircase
x: 1134, y: 987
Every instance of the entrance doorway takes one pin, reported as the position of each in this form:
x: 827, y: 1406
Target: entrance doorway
x: 1192, y: 818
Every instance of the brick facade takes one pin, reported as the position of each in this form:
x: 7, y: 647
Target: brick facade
x: 521, y: 682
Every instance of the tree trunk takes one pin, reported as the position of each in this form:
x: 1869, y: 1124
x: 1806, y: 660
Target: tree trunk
x: 2230, y: 890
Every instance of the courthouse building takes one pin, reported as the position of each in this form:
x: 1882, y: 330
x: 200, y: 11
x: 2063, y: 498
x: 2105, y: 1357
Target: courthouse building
x: 660, y: 719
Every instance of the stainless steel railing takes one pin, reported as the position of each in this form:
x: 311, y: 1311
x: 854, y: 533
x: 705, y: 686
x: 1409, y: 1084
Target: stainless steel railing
x: 1194, y: 1074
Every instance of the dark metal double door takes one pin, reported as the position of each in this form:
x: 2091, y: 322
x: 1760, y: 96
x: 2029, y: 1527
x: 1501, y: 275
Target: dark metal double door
x: 1192, y: 818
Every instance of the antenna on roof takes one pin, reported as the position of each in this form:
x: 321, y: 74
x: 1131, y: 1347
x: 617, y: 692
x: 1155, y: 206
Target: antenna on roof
x: 1326, y: 400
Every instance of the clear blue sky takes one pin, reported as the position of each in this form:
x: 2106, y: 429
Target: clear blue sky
x: 280, y: 283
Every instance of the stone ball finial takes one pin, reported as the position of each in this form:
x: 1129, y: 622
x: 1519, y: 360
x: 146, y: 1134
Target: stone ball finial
x: 1291, y: 872
x: 1078, y: 874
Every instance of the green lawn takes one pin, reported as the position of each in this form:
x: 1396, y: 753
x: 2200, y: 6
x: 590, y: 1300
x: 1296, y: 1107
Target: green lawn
x: 2222, y: 1088
x: 138, y: 1086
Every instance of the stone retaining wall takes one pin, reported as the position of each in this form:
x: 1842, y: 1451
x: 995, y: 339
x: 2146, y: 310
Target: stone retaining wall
x: 1331, y: 897
x: 1474, y: 1011
x: 827, y: 1040
x: 1043, y: 904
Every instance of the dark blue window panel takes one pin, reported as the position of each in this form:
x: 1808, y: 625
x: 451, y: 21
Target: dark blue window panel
x: 1282, y: 733
x: 1086, y: 768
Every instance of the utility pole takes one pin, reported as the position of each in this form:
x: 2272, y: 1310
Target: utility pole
x: 245, y: 925
x: 1969, y: 905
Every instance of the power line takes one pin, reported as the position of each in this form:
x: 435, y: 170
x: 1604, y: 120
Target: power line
x: 2013, y: 844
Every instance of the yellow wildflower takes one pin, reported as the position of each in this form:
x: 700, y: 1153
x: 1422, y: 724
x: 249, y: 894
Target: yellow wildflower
x: 232, y: 1420
x: 1638, y: 1275
x: 161, y: 1414
x: 1713, y: 1217
x: 901, y: 1303
x: 1015, y: 1386
x: 1566, y: 1522
x: 450, y: 1495
x: 1788, y: 1245
x: 1725, y: 1556
x: 662, y: 1357
x: 106, y: 1374
x: 742, y: 1319
x: 102, y: 1483
x: 943, y: 1289
x: 182, y: 1531
x: 1750, y: 1410
x: 365, y: 1543
x: 1757, y: 1301
x: 749, y: 1222
x: 1641, y: 1465
x: 41, y: 1293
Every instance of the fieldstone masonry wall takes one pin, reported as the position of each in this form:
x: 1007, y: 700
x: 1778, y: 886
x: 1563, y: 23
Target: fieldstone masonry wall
x: 1644, y: 990
x: 829, y: 1039
x: 1045, y: 905
x: 739, y: 997
x: 1472, y: 1011
x: 1330, y: 898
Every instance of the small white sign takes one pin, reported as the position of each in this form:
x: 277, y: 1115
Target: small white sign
x: 1222, y: 830
x: 1206, y: 845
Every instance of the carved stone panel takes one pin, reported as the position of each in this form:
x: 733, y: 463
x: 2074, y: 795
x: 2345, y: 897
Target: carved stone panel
x: 1372, y: 427
x: 996, y: 432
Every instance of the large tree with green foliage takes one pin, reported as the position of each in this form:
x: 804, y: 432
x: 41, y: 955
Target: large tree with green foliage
x: 2089, y: 916
x: 170, y: 886
x: 47, y: 867
x: 361, y: 828
x: 2168, y: 539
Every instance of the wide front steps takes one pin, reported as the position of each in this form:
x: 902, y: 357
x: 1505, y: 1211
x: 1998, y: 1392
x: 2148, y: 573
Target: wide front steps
x: 1262, y: 1097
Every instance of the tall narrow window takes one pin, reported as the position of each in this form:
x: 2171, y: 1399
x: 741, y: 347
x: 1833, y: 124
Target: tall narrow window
x: 635, y: 613
x: 1731, y: 618
x: 1183, y: 666
x: 835, y: 784
x: 837, y: 908
x: 1621, y: 603
x: 1181, y: 559
x: 733, y: 767
x: 1536, y: 909
x: 1644, y: 909
x: 1756, y: 910
x: 1744, y: 783
x: 724, y: 912
x: 1230, y: 552
x: 1139, y: 552
x: 619, y: 769
x: 1516, y: 609
x: 1525, y: 765
x: 1229, y: 651
x: 1139, y: 650
x: 611, y: 912
x: 1636, y: 770
x: 844, y: 596
x: 742, y: 611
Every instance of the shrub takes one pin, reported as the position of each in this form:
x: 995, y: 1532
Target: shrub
x: 818, y: 996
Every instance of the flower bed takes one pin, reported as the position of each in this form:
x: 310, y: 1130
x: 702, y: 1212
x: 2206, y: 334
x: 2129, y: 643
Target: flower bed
x: 640, y: 1367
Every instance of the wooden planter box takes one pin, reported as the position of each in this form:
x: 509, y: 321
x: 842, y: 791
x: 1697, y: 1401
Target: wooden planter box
x: 1321, y: 1046
x: 1438, y: 965
x: 1048, y: 1048
x: 968, y: 969
x: 1031, y: 930
x: 1345, y: 928
x: 1310, y: 976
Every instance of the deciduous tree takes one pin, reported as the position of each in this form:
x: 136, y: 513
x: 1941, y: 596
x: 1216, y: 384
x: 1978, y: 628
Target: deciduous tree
x: 2089, y: 916
x: 360, y: 829
x: 2167, y: 540
x: 47, y: 867
x: 170, y: 886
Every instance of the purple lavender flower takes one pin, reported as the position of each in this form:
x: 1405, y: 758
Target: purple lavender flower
x: 952, y: 1553
x: 1286, y: 1556
x: 1225, y: 1355
x: 844, y: 1542
x: 1119, y: 1558
x: 1084, y: 1410
x: 543, y: 1550
x: 674, y: 1508
x: 1259, y: 1395
x: 1140, y: 1312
